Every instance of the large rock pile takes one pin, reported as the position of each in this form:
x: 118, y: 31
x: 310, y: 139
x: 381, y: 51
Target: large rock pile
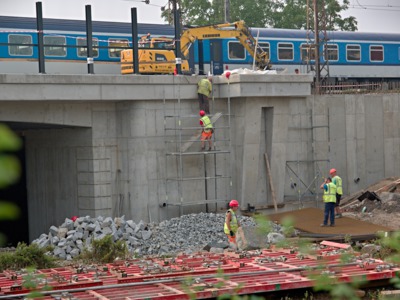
x: 187, y: 233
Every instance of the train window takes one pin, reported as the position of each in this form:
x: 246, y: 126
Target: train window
x: 82, y: 52
x: 236, y: 50
x: 285, y: 51
x: 265, y: 47
x: 216, y: 51
x: 163, y: 43
x: 21, y: 44
x: 353, y: 52
x: 144, y: 42
x: 53, y: 46
x: 115, y: 46
x: 376, y: 53
x: 307, y: 52
x: 332, y: 52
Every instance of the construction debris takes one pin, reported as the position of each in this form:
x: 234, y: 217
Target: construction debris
x: 378, y: 204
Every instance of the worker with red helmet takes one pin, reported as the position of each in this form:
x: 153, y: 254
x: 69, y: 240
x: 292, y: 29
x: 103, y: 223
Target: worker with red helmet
x: 232, y: 224
x: 207, y: 130
x: 204, y: 88
x: 339, y: 191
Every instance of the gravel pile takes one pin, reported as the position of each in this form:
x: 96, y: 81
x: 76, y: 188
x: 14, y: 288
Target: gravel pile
x: 188, y: 233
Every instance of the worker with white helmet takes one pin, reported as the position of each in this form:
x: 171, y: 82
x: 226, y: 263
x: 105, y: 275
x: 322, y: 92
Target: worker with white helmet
x: 339, y: 191
x: 232, y: 224
x: 207, y: 130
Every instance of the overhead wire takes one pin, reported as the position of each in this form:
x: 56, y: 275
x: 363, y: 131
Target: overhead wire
x: 374, y: 6
x: 142, y: 1
x: 376, y: 9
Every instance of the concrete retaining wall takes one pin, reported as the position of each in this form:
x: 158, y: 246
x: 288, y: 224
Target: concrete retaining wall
x: 97, y: 145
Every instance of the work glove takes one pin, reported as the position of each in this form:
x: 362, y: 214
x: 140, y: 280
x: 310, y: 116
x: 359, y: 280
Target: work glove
x: 231, y: 233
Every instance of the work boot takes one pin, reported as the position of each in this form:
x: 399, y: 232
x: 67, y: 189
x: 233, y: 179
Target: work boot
x: 332, y: 225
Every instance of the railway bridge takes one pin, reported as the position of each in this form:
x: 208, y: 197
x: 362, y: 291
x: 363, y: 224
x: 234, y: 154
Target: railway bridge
x: 128, y: 145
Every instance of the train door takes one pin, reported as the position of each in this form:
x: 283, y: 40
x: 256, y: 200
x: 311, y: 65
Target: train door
x: 217, y: 65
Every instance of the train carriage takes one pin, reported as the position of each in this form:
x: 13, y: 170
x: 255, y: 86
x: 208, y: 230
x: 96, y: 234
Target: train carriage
x: 353, y: 56
x: 62, y: 38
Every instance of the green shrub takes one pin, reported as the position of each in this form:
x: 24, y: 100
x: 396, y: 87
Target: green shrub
x: 10, y: 170
x: 26, y: 256
x: 105, y: 250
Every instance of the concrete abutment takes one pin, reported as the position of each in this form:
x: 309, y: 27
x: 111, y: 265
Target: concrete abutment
x: 95, y: 145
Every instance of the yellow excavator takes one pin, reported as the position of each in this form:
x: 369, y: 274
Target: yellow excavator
x: 156, y: 56
x: 162, y: 61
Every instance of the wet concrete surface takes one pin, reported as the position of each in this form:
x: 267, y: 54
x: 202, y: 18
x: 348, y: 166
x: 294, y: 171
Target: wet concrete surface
x: 309, y: 220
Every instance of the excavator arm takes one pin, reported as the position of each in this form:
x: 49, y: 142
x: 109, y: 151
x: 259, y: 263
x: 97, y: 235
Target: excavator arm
x: 238, y: 30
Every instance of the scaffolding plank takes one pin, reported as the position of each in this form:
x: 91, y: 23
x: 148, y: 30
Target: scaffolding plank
x: 197, y: 135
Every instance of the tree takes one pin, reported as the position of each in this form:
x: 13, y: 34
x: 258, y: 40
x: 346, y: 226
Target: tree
x: 9, y: 172
x: 290, y: 14
x: 205, y: 12
x: 333, y: 19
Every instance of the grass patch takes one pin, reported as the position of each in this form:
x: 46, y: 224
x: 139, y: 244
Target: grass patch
x: 105, y: 250
x: 26, y: 256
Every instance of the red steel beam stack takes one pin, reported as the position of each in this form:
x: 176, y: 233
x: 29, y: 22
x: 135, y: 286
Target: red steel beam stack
x: 202, y: 275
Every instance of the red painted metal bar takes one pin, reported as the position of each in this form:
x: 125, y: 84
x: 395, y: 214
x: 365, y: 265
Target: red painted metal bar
x: 203, y: 275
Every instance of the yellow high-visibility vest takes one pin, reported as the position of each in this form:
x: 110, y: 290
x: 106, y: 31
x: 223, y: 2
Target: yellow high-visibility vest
x: 338, y: 182
x: 330, y: 194
x: 204, y: 87
x: 233, y: 223
x: 206, y: 122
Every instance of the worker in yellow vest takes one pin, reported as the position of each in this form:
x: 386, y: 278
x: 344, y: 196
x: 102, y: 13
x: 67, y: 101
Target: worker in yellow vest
x: 232, y: 224
x: 330, y: 200
x: 207, y: 130
x: 339, y: 192
x: 204, y: 89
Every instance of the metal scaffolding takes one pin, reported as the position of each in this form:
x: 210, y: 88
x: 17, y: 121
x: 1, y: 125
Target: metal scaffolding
x: 195, y: 177
x: 318, y: 160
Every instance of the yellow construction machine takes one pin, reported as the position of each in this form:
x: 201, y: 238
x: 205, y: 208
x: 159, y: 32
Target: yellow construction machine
x: 156, y: 56
x: 238, y: 30
x: 152, y: 61
x: 163, y: 61
x: 156, y: 42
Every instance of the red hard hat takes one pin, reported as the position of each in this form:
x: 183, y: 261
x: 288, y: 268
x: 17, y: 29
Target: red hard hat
x: 202, y: 113
x: 234, y: 203
x: 332, y: 171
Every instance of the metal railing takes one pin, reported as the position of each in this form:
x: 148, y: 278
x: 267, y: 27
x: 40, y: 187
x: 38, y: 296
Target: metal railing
x: 359, y: 88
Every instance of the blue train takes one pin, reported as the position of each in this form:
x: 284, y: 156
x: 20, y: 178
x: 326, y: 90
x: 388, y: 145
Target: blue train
x: 352, y: 56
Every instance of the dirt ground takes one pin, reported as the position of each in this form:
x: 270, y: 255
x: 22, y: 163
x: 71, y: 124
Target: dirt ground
x: 384, y: 210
